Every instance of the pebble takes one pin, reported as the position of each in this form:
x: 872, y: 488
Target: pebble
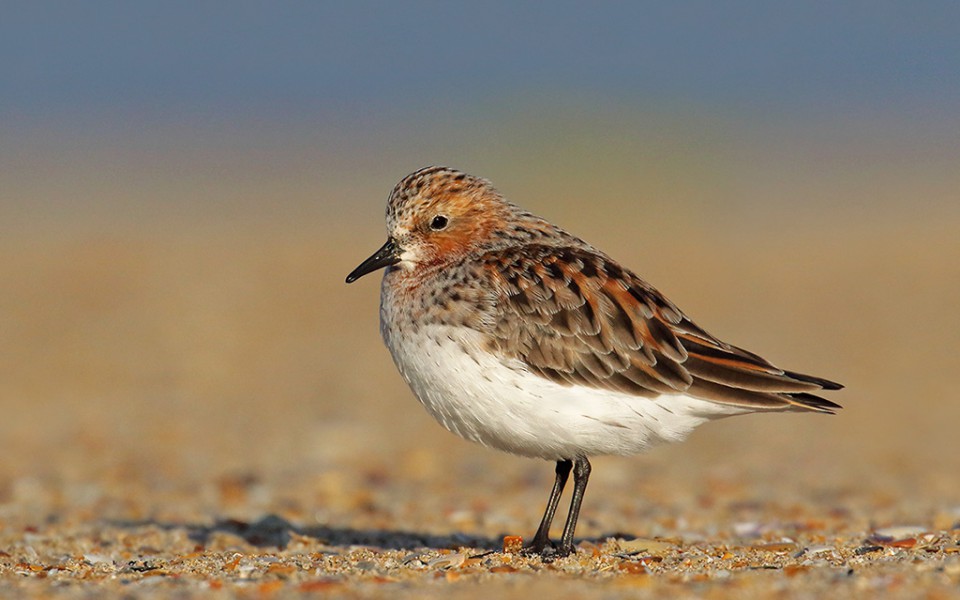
x: 447, y: 561
x: 899, y: 532
x: 637, y: 545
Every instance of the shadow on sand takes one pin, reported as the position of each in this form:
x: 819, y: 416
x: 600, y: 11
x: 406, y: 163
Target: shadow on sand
x: 274, y: 531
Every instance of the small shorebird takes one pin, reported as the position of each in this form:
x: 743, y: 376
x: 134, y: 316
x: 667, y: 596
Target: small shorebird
x: 520, y: 336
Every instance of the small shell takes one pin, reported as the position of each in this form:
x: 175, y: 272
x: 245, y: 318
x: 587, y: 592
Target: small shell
x: 447, y: 561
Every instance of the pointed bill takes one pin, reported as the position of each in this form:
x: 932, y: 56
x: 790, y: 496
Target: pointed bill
x: 388, y: 254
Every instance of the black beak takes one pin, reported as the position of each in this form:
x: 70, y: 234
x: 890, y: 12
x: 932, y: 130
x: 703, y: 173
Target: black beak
x: 388, y: 254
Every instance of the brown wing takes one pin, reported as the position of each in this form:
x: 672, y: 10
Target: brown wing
x: 576, y: 317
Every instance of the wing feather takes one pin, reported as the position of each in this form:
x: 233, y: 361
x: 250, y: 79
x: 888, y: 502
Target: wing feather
x: 577, y: 318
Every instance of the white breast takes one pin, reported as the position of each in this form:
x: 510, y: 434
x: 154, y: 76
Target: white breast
x: 499, y: 403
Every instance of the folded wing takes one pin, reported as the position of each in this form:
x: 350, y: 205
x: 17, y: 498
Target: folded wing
x: 576, y: 317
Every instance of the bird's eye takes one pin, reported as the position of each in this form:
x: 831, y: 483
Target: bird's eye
x: 439, y: 222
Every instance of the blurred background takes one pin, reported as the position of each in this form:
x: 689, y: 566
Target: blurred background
x: 184, y: 186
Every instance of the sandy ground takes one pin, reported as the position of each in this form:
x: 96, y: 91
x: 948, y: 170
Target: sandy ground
x: 201, y: 408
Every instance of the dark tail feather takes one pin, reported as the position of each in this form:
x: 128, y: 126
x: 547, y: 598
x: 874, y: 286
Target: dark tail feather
x: 812, y: 402
x: 823, y: 383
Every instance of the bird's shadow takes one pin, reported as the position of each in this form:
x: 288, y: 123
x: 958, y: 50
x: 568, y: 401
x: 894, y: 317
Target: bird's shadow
x: 274, y: 531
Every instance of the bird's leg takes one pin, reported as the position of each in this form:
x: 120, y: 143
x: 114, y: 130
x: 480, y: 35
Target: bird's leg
x: 542, y: 538
x: 581, y: 473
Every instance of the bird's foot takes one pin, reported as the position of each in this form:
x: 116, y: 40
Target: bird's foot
x: 546, y: 550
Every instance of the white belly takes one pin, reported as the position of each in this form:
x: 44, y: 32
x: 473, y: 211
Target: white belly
x: 499, y: 403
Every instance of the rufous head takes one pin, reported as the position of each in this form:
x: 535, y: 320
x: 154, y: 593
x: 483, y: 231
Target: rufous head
x: 434, y: 216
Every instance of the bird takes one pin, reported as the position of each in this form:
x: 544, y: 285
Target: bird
x: 524, y: 338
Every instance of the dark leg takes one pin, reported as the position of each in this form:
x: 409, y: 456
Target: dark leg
x: 581, y: 473
x: 542, y: 538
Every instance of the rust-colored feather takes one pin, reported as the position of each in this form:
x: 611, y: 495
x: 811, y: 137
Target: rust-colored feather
x: 576, y: 317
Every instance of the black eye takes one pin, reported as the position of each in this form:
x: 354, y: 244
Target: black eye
x: 439, y: 222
